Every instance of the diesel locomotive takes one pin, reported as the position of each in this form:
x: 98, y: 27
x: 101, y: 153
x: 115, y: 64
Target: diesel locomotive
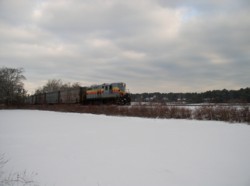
x: 113, y: 93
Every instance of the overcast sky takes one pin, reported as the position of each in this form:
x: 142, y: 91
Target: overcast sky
x: 151, y: 45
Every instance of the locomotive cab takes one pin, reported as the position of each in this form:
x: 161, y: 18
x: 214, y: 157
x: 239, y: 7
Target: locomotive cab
x: 123, y: 97
x: 109, y: 93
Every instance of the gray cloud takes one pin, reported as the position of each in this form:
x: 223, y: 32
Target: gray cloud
x: 151, y: 45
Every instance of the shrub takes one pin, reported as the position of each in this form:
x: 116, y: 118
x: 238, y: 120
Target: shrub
x: 16, y: 178
x: 212, y: 112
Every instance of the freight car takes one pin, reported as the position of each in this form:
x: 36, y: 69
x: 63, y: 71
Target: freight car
x: 114, y: 93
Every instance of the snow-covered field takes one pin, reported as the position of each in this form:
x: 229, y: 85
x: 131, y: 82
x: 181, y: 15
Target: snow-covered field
x: 67, y: 149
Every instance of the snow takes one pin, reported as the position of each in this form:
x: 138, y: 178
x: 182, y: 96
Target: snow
x: 96, y: 150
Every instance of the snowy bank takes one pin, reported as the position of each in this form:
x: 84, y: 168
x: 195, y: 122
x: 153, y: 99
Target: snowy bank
x: 83, y: 149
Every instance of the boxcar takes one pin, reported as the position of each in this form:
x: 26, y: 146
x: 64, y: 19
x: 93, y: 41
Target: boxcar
x: 40, y: 98
x: 52, y: 97
x: 70, y: 95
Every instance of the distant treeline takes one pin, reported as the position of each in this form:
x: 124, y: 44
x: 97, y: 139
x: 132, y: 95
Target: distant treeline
x: 215, y: 96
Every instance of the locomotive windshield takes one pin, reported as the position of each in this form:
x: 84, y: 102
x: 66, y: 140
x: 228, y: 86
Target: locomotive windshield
x: 122, y: 86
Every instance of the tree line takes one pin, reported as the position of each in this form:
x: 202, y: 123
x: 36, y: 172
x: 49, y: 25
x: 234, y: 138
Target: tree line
x: 56, y: 85
x: 214, y: 96
x: 12, y: 91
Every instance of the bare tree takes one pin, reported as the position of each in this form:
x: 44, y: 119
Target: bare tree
x: 75, y: 85
x: 11, y: 85
x: 56, y: 85
x: 53, y: 85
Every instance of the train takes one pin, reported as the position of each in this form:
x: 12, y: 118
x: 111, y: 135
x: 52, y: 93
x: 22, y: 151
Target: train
x: 107, y: 93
